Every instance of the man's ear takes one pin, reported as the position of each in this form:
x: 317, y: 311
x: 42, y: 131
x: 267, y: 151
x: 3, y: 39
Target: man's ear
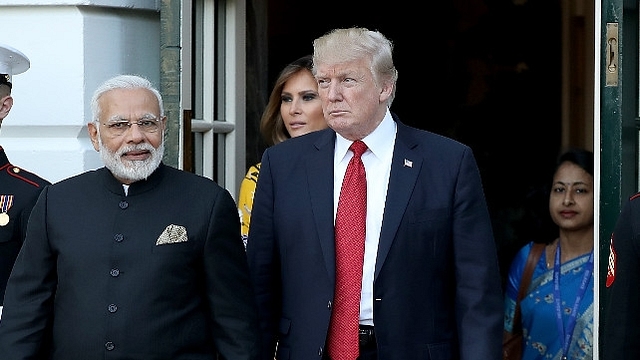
x: 5, y: 106
x: 93, y: 134
x: 386, y: 91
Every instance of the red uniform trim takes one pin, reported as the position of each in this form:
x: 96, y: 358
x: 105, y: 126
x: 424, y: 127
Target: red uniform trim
x: 17, y: 175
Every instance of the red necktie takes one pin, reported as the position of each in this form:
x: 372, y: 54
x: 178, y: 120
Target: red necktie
x: 350, y: 235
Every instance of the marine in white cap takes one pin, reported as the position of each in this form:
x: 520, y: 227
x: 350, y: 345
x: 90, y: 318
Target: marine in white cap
x: 12, y: 62
x: 19, y: 189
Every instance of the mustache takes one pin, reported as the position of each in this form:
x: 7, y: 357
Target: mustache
x: 137, y: 147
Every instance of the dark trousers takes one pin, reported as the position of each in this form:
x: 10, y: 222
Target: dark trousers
x: 368, y: 354
x: 368, y: 345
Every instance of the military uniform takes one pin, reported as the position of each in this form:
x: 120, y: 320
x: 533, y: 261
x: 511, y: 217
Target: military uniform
x: 19, y: 190
x: 622, y: 312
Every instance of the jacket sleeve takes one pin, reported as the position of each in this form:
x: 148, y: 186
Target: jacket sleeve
x: 231, y: 297
x: 263, y: 262
x: 479, y: 298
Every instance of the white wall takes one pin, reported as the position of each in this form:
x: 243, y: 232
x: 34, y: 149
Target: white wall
x: 72, y: 49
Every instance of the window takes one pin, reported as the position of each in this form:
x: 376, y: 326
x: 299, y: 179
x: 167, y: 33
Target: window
x: 213, y: 90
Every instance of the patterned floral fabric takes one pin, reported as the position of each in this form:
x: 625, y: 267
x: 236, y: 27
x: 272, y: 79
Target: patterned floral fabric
x: 542, y: 340
x: 245, y: 200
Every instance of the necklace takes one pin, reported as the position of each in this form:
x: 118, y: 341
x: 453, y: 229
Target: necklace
x: 571, y: 324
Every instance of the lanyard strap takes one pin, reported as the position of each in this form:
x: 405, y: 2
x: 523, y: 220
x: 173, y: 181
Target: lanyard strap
x: 566, y: 336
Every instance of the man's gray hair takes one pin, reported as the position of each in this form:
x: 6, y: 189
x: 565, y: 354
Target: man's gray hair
x: 122, y: 82
x: 341, y: 45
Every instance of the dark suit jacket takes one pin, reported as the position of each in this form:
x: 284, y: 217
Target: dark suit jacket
x: 437, y: 290
x: 97, y: 275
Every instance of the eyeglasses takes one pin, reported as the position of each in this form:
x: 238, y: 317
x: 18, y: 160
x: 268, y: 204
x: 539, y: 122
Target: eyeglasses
x: 147, y: 125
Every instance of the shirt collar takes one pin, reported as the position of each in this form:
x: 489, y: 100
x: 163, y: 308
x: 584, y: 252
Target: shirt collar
x: 379, y: 141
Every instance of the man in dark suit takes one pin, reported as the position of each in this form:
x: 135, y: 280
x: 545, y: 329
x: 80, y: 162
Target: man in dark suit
x: 135, y: 260
x: 19, y: 188
x: 430, y: 279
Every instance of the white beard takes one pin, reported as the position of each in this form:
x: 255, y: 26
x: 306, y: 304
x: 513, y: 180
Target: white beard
x: 131, y: 170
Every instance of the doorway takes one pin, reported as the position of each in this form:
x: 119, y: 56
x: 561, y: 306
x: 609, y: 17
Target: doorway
x: 503, y: 77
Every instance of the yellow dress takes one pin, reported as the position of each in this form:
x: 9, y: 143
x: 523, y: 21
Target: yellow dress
x: 245, y: 200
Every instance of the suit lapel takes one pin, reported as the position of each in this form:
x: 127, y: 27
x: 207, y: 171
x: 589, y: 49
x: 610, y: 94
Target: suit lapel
x: 405, y: 167
x: 320, y: 180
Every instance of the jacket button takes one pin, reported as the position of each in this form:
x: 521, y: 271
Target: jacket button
x: 123, y: 205
x: 113, y: 308
x: 109, y: 345
x: 329, y: 305
x: 118, y: 237
x: 114, y: 272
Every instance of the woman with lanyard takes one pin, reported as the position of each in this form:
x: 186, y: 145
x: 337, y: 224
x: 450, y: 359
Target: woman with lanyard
x: 557, y: 309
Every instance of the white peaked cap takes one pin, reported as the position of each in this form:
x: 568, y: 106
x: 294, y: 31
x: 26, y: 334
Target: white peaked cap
x: 12, y: 62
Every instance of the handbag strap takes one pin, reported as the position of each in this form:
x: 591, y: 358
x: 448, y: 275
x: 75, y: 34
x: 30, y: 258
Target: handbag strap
x: 527, y: 274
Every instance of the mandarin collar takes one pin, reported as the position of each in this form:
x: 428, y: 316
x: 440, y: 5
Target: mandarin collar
x: 136, y: 188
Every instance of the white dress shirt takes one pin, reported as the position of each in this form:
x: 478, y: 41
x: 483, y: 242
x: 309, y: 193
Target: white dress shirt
x: 377, y: 164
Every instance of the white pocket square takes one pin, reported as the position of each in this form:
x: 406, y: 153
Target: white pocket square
x: 172, y: 234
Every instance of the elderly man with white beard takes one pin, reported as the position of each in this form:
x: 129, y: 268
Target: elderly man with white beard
x: 135, y: 260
